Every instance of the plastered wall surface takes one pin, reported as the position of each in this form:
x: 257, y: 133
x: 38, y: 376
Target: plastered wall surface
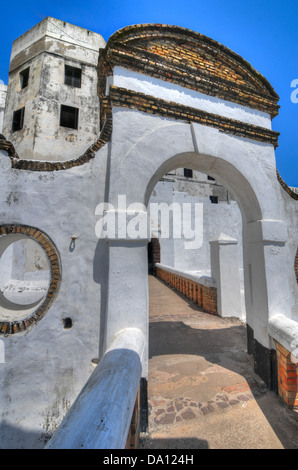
x: 157, y: 120
x: 46, y: 366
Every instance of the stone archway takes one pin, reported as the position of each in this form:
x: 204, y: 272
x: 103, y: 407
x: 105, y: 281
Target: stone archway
x: 232, y: 161
x: 168, y: 114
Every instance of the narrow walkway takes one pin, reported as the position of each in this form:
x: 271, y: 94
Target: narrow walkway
x: 202, y: 390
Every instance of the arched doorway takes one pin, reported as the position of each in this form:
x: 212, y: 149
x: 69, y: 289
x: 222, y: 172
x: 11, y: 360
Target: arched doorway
x: 233, y: 162
x: 212, y: 126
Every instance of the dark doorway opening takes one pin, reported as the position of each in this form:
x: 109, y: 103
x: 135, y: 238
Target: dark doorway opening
x: 153, y: 255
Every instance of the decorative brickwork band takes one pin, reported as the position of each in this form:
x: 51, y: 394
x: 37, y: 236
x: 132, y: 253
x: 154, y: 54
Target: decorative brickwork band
x: 37, y: 165
x: 18, y: 326
x: 287, y: 377
x: 192, y: 60
x: 286, y: 187
x: 205, y: 297
x: 149, y: 104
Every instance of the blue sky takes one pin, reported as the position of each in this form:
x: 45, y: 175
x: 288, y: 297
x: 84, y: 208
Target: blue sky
x: 264, y: 32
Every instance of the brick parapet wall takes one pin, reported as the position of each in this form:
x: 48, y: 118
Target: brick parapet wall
x: 204, y: 296
x: 192, y: 60
x: 287, y: 376
x: 155, y: 250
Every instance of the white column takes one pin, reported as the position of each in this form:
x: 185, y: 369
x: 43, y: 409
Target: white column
x: 268, y: 274
x: 225, y: 272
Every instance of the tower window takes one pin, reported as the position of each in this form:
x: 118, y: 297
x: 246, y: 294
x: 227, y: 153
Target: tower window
x: 24, y: 78
x: 69, y: 117
x: 18, y: 119
x: 214, y: 199
x: 72, y: 76
x: 188, y: 173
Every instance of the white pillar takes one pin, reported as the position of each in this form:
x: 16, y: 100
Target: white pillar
x: 225, y: 272
x: 268, y: 274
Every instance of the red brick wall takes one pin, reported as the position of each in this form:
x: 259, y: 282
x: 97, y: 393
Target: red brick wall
x: 287, y: 377
x: 205, y: 297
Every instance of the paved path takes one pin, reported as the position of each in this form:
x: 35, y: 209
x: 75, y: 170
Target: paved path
x: 203, y: 392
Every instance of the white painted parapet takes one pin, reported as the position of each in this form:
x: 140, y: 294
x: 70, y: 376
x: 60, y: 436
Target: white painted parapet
x: 203, y: 280
x: 285, y: 331
x: 101, y: 415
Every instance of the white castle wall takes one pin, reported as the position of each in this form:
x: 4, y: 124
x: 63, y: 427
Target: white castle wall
x: 104, y: 283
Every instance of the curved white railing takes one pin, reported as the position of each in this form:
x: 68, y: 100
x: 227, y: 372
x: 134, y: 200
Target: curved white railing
x: 100, y: 416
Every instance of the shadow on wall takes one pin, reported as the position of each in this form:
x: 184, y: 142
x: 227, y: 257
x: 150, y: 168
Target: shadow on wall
x: 100, y: 276
x: 16, y: 437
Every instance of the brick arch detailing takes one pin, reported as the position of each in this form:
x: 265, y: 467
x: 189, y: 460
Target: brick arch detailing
x: 286, y: 187
x: 296, y: 265
x: 38, y: 165
x: 190, y: 59
x: 18, y: 326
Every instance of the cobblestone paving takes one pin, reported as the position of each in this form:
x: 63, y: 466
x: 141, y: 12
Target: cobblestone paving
x: 169, y: 411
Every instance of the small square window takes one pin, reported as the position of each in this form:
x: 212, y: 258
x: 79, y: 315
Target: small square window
x: 24, y: 78
x: 72, y: 76
x: 210, y: 178
x: 188, y: 173
x: 18, y: 119
x: 69, y: 117
x: 214, y: 199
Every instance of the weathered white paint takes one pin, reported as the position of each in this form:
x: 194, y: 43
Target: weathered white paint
x: 100, y: 416
x: 3, y: 94
x: 80, y: 40
x: 46, y: 49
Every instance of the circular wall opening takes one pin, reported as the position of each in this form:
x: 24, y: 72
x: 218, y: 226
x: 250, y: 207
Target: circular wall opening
x: 24, y: 277
x: 30, y: 276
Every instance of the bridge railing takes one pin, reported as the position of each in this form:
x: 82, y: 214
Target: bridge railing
x: 100, y: 416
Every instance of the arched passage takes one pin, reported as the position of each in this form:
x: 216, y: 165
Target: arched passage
x: 153, y: 147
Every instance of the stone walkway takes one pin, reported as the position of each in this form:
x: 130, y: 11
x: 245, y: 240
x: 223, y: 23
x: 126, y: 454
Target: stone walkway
x: 202, y: 390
